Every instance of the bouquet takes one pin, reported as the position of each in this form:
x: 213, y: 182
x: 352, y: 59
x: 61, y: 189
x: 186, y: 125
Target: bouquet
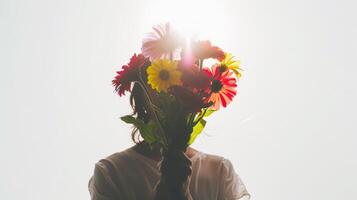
x: 179, y: 90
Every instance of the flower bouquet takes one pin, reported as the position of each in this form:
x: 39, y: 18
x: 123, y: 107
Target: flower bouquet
x: 177, y: 89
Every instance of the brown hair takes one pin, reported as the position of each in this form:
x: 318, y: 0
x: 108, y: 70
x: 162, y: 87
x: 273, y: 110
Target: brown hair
x: 137, y: 102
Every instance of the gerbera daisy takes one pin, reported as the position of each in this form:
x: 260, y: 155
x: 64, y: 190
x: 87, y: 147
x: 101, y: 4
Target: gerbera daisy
x: 129, y: 73
x: 204, y: 49
x: 163, y: 73
x: 161, y: 43
x: 229, y: 63
x: 193, y: 77
x: 223, y: 87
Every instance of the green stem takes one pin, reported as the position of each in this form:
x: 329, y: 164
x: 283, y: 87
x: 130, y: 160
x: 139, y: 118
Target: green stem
x: 191, y: 119
x: 200, y: 117
x: 151, y: 106
x: 200, y: 63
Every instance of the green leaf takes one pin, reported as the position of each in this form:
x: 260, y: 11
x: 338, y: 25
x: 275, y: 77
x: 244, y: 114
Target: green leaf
x: 209, y: 112
x: 197, y: 130
x: 128, y: 119
x: 202, y: 114
x: 147, y: 130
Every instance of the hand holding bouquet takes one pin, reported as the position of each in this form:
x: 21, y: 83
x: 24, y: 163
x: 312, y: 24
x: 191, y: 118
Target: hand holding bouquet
x: 179, y: 91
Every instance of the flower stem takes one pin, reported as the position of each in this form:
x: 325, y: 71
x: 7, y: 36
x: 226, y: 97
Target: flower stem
x: 151, y: 106
x: 200, y: 117
x: 200, y: 63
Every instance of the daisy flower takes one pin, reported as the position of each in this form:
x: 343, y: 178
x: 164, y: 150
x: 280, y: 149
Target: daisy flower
x: 161, y: 43
x: 128, y: 74
x: 163, y: 73
x: 229, y: 63
x: 204, y: 49
x: 223, y: 87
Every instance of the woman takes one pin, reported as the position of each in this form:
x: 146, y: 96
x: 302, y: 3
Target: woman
x: 133, y: 174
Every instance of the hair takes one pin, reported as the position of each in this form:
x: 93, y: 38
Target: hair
x: 138, y: 105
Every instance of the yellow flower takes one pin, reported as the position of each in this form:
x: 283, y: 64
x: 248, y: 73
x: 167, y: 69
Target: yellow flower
x: 162, y: 74
x: 229, y: 63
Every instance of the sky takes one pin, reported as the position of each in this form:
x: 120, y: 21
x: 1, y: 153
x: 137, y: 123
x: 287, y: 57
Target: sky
x: 290, y: 132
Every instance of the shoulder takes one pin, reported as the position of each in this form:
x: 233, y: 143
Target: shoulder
x: 222, y: 165
x: 112, y: 164
x: 214, y: 160
x: 109, y: 175
x: 118, y: 156
x: 229, y: 182
x: 212, y: 165
x: 114, y: 161
x: 107, y: 170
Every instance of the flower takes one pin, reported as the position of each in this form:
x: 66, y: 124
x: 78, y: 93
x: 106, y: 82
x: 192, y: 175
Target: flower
x: 229, y: 63
x: 163, y: 73
x: 204, y: 49
x: 193, y: 77
x: 161, y: 43
x: 223, y: 87
x: 190, y: 101
x: 128, y: 74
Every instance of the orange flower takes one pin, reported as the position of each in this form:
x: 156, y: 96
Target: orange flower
x: 204, y: 49
x: 223, y: 87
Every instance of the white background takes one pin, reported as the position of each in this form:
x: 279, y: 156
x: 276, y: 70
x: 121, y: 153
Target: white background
x: 290, y: 133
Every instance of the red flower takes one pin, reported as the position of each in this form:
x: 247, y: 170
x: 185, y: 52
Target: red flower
x: 129, y: 73
x: 223, y: 87
x: 194, y: 78
x: 204, y: 49
x: 191, y: 102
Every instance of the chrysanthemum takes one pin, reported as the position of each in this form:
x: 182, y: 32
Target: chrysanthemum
x: 223, y: 87
x: 128, y: 74
x: 161, y: 43
x: 204, y: 49
x: 229, y: 63
x: 163, y: 73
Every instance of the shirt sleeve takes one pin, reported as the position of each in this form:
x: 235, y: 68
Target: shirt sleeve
x: 233, y: 187
x: 100, y: 185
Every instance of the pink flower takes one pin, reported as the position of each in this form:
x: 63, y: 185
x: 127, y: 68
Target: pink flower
x: 162, y: 43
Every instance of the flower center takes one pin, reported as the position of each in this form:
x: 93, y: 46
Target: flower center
x: 216, y: 86
x: 222, y: 68
x: 164, y: 75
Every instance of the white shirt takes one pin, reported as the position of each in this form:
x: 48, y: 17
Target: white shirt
x: 128, y: 175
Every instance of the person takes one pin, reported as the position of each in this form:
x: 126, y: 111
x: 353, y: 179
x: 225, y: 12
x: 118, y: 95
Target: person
x: 134, y: 173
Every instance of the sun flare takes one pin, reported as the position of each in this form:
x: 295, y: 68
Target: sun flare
x: 193, y: 19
